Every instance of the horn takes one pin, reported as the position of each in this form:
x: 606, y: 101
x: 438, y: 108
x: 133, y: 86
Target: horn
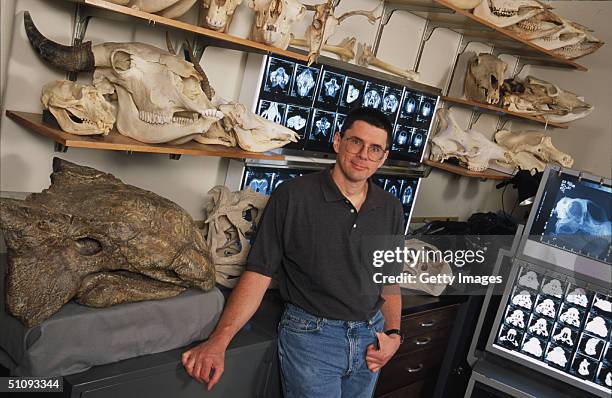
x: 69, y: 58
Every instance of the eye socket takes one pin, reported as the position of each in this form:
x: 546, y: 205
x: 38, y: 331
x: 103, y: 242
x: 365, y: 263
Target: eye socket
x: 121, y: 61
x: 493, y: 81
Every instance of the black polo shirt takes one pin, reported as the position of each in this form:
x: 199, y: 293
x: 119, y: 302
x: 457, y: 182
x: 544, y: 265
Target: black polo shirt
x: 312, y: 234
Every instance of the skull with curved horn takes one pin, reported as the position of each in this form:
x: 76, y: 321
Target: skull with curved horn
x: 160, y: 96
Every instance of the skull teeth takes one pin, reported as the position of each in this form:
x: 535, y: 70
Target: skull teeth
x: 155, y: 118
x: 500, y: 12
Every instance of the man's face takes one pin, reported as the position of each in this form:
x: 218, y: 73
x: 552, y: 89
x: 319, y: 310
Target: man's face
x: 358, y: 167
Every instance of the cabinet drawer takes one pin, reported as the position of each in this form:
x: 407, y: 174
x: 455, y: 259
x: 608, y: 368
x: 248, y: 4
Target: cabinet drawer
x: 431, y: 338
x: 423, y: 322
x: 413, y: 390
x: 407, y: 369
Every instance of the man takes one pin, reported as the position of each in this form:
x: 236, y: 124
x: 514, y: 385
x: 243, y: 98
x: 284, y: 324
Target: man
x: 331, y: 340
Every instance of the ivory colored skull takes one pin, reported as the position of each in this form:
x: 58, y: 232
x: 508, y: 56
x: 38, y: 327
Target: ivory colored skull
x: 534, y: 143
x: 471, y: 148
x: 160, y: 98
x: 423, y: 266
x: 218, y: 13
x: 484, y: 77
x: 274, y: 19
x: 78, y: 109
x: 504, y: 13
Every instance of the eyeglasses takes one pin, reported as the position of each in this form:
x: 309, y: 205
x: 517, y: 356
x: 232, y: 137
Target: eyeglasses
x: 354, y: 145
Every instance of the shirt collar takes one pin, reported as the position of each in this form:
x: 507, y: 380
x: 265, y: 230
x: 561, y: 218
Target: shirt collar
x: 331, y: 192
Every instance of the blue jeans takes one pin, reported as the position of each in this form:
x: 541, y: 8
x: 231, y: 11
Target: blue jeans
x: 325, y: 358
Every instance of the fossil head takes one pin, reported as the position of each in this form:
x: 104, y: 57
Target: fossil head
x: 534, y: 144
x: 544, y: 24
x: 274, y: 19
x: 78, y: 109
x: 219, y: 13
x: 504, y: 13
x: 484, y: 77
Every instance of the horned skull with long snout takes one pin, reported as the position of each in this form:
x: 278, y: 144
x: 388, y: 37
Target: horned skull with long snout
x: 273, y: 21
x: 160, y: 95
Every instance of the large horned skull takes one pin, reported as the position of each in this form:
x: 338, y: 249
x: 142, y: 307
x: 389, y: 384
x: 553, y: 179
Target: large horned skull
x: 160, y: 96
x: 78, y: 109
x: 273, y: 21
x: 218, y: 13
x: 484, y: 77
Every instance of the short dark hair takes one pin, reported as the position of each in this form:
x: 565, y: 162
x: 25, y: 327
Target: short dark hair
x: 371, y: 116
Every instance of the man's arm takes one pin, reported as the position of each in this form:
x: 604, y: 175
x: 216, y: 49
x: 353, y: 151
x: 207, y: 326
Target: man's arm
x: 241, y: 305
x: 388, y: 345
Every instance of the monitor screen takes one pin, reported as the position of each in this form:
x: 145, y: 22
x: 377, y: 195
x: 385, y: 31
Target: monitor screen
x: 558, y: 325
x: 573, y: 225
x: 314, y: 100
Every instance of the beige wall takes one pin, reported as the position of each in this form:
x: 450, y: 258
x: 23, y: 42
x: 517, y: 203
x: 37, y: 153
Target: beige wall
x: 25, y: 158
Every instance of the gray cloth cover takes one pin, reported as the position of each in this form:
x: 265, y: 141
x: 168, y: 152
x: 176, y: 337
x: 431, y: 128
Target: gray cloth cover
x: 78, y: 337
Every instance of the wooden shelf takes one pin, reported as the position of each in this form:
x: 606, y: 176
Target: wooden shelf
x: 117, y: 142
x: 214, y: 38
x: 462, y: 171
x: 500, y: 111
x: 444, y: 15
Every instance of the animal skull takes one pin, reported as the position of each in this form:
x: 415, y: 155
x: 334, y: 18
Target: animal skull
x: 273, y: 21
x: 423, y: 266
x: 471, y: 148
x: 465, y: 4
x: 504, y: 13
x: 484, y: 77
x: 571, y: 41
x: 540, y: 25
x: 218, y: 14
x: 78, y: 109
x: 165, y: 8
x: 535, y: 144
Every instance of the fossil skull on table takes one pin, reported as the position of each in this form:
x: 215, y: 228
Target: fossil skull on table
x: 484, y: 77
x: 526, y: 145
x: 165, y: 8
x: 159, y: 94
x: 365, y: 58
x: 78, y: 109
x: 274, y: 19
x: 505, y: 13
x: 471, y: 148
x: 217, y: 14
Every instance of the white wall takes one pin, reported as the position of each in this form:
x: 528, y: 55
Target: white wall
x: 25, y: 157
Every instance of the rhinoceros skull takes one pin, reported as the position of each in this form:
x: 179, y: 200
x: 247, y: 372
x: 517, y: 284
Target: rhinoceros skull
x: 504, y: 13
x: 78, y: 109
x: 471, y: 148
x: 274, y: 19
x: 218, y: 13
x: 484, y: 77
x: 535, y: 144
x: 89, y: 233
x: 160, y: 95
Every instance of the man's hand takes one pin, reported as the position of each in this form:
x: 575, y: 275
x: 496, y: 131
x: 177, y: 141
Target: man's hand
x: 376, y: 359
x: 204, y: 358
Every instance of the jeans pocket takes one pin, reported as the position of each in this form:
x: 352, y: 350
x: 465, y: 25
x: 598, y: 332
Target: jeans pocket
x: 297, y: 324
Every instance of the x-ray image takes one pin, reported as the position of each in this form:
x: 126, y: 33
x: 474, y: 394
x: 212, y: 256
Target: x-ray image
x: 540, y: 326
x: 509, y: 337
x: 353, y: 93
x: 516, y: 317
x: 260, y: 182
x: 402, y: 138
x: 321, y: 129
x: 418, y: 139
x: 583, y: 367
x: 407, y: 195
x: 546, y: 307
x: 373, y: 95
x: 604, y: 375
x: 557, y: 356
x: 391, y: 101
x: 340, y: 118
x: 282, y: 176
x: 278, y: 76
x: 529, y: 278
x: 409, y: 106
x: 578, y: 296
x: 305, y: 82
x: 523, y: 298
x: 591, y: 346
x: 272, y: 111
x: 571, y: 315
x: 533, y: 346
x: 598, y: 325
x: 297, y: 119
x: 565, y: 336
x: 602, y: 304
x: 553, y: 287
x: 425, y: 112
x: 330, y: 88
x: 394, y: 187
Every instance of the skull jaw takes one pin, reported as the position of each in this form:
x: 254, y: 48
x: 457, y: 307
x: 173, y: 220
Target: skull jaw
x: 62, y: 116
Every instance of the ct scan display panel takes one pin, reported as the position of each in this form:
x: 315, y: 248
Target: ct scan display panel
x: 554, y: 322
x: 313, y: 101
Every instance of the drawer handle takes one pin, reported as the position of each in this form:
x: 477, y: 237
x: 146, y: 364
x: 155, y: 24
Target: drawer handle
x: 415, y: 370
x: 428, y: 324
x: 423, y: 341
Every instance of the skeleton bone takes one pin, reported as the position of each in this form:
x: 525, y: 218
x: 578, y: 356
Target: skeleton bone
x: 324, y: 25
x: 78, y: 109
x: 535, y: 144
x: 273, y: 21
x: 165, y: 8
x: 570, y: 34
x: 484, y: 77
x: 345, y: 50
x: 471, y: 148
x: 540, y: 25
x: 504, y: 13
x: 217, y: 14
x: 365, y: 58
x: 465, y: 4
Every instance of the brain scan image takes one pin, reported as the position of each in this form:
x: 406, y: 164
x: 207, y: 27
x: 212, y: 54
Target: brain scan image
x: 407, y: 195
x: 571, y: 316
x: 604, y: 375
x: 597, y: 325
x: 279, y: 78
x: 410, y: 105
x: 553, y: 287
x: 296, y: 122
x: 352, y: 94
x: 372, y: 99
x: 259, y: 185
x: 557, y: 356
x: 339, y: 122
x: 523, y: 299
x: 591, y: 346
x: 583, y: 367
x: 565, y: 336
x: 578, y: 296
x: 426, y: 109
x: 602, y: 303
x: 417, y: 140
x: 331, y: 87
x: 575, y: 216
x: 259, y: 182
x: 529, y: 279
x: 540, y: 327
x: 390, y: 103
x: 546, y: 307
x: 533, y: 346
x: 516, y: 318
x: 272, y: 111
x: 322, y: 126
x: 402, y: 137
x: 393, y: 187
x: 509, y: 337
x: 304, y: 82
